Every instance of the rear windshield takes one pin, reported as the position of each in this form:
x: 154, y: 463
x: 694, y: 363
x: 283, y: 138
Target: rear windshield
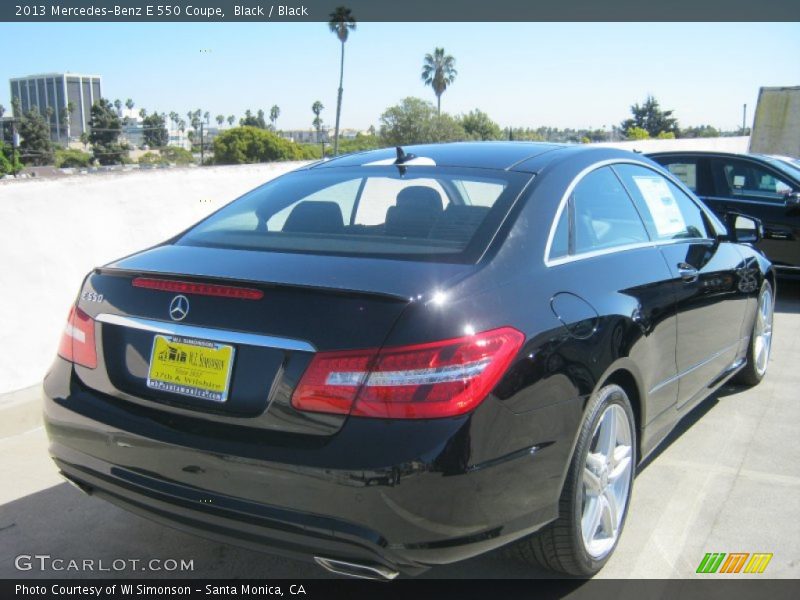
x: 420, y: 213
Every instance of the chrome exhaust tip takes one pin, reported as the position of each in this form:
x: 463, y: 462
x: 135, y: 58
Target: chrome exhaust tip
x: 81, y: 487
x: 359, y: 571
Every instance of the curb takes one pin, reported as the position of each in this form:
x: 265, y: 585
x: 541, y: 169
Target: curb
x: 20, y: 411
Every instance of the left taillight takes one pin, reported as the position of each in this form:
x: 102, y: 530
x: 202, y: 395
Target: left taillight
x: 423, y: 381
x: 77, y: 341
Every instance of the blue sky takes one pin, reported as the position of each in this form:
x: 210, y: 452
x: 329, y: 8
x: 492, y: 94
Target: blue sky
x: 522, y: 74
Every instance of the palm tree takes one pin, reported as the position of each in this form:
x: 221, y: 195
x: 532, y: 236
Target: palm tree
x: 207, y: 117
x: 118, y: 106
x: 129, y: 104
x: 438, y: 71
x: 317, y: 108
x: 142, y: 113
x: 341, y: 23
x: 231, y: 120
x: 220, y: 119
x: 173, y: 117
x: 274, y: 113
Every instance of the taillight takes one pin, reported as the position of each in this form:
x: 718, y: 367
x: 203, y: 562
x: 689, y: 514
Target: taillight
x: 77, y: 341
x: 424, y: 381
x: 200, y: 289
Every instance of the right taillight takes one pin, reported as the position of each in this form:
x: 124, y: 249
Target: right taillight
x: 77, y: 341
x: 423, y: 381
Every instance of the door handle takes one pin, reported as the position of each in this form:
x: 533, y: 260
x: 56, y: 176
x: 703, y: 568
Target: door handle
x: 687, y: 272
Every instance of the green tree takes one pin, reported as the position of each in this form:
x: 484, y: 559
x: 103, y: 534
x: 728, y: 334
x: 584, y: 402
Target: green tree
x: 155, y: 131
x: 105, y: 128
x: 341, y: 23
x: 251, y: 120
x: 231, y: 120
x: 174, y: 117
x: 35, y: 145
x: 2, y: 111
x: 479, y: 126
x: 142, y: 113
x: 438, y: 71
x: 220, y: 119
x: 415, y: 121
x: 84, y: 138
x: 274, y: 113
x: 317, y: 109
x: 71, y: 158
x: 118, y: 106
x: 701, y: 131
x: 207, y: 117
x: 253, y: 144
x: 65, y: 116
x: 637, y: 133
x: 651, y: 118
x: 129, y: 104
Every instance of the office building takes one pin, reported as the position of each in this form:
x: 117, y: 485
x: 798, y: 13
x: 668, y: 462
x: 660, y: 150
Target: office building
x: 56, y: 91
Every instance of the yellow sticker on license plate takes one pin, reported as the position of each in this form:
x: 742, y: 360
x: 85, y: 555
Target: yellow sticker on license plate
x: 197, y: 368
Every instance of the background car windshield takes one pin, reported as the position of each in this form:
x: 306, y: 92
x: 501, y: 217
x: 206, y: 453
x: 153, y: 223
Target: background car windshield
x: 421, y: 212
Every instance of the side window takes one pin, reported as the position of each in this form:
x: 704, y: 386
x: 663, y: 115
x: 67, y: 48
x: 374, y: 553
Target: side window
x: 667, y: 211
x: 748, y: 180
x: 685, y: 170
x: 604, y: 216
x: 559, y: 247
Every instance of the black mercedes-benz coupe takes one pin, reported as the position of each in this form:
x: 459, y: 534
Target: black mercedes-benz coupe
x: 408, y: 357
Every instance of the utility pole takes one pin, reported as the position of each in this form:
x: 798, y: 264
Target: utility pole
x: 14, y: 146
x: 744, y: 119
x: 202, y: 145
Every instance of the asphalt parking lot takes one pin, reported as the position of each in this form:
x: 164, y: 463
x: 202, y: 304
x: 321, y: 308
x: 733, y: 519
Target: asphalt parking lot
x: 728, y: 481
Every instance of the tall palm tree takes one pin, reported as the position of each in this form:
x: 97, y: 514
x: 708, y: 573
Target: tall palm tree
x: 274, y: 113
x: 143, y: 113
x: 220, y: 119
x: 341, y: 23
x: 231, y: 120
x: 129, y: 104
x: 438, y: 71
x: 118, y: 106
x: 207, y: 117
x: 316, y: 108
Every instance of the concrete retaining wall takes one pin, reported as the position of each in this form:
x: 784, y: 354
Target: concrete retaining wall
x: 53, y: 232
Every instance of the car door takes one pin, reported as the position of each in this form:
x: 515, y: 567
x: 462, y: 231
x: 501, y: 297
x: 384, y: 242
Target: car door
x: 755, y: 189
x: 710, y: 308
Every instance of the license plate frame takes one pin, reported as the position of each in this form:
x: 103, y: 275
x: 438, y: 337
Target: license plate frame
x: 191, y: 367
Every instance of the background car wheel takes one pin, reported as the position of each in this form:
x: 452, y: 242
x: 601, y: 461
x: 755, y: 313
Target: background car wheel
x: 596, y: 494
x: 760, y: 347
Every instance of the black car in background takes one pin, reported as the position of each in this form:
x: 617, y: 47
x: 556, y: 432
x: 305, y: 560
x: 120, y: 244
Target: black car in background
x: 762, y: 186
x: 404, y: 358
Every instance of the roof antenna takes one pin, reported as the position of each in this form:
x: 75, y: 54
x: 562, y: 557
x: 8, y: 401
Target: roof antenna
x: 402, y: 157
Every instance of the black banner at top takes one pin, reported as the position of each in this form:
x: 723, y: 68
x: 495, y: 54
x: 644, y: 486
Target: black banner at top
x: 397, y: 10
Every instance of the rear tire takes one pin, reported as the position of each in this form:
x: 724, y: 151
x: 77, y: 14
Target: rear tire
x: 760, y: 346
x: 596, y: 494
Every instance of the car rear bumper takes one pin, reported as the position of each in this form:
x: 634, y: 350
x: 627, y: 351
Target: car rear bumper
x: 423, y: 502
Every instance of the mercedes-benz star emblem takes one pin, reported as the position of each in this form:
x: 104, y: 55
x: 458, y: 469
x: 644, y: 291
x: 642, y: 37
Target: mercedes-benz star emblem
x: 179, y: 308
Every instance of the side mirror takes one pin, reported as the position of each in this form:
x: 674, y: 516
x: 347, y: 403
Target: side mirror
x: 744, y: 229
x: 792, y: 201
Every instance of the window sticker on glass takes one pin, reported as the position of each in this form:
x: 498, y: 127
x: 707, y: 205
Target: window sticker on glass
x: 662, y: 205
x: 738, y: 181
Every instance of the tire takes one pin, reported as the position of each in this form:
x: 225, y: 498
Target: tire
x: 561, y: 545
x: 760, y: 346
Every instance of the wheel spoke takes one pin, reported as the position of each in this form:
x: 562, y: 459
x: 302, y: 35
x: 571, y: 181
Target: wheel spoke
x: 608, y: 435
x: 622, y: 460
x: 609, y: 514
x: 591, y: 519
x: 592, y: 482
